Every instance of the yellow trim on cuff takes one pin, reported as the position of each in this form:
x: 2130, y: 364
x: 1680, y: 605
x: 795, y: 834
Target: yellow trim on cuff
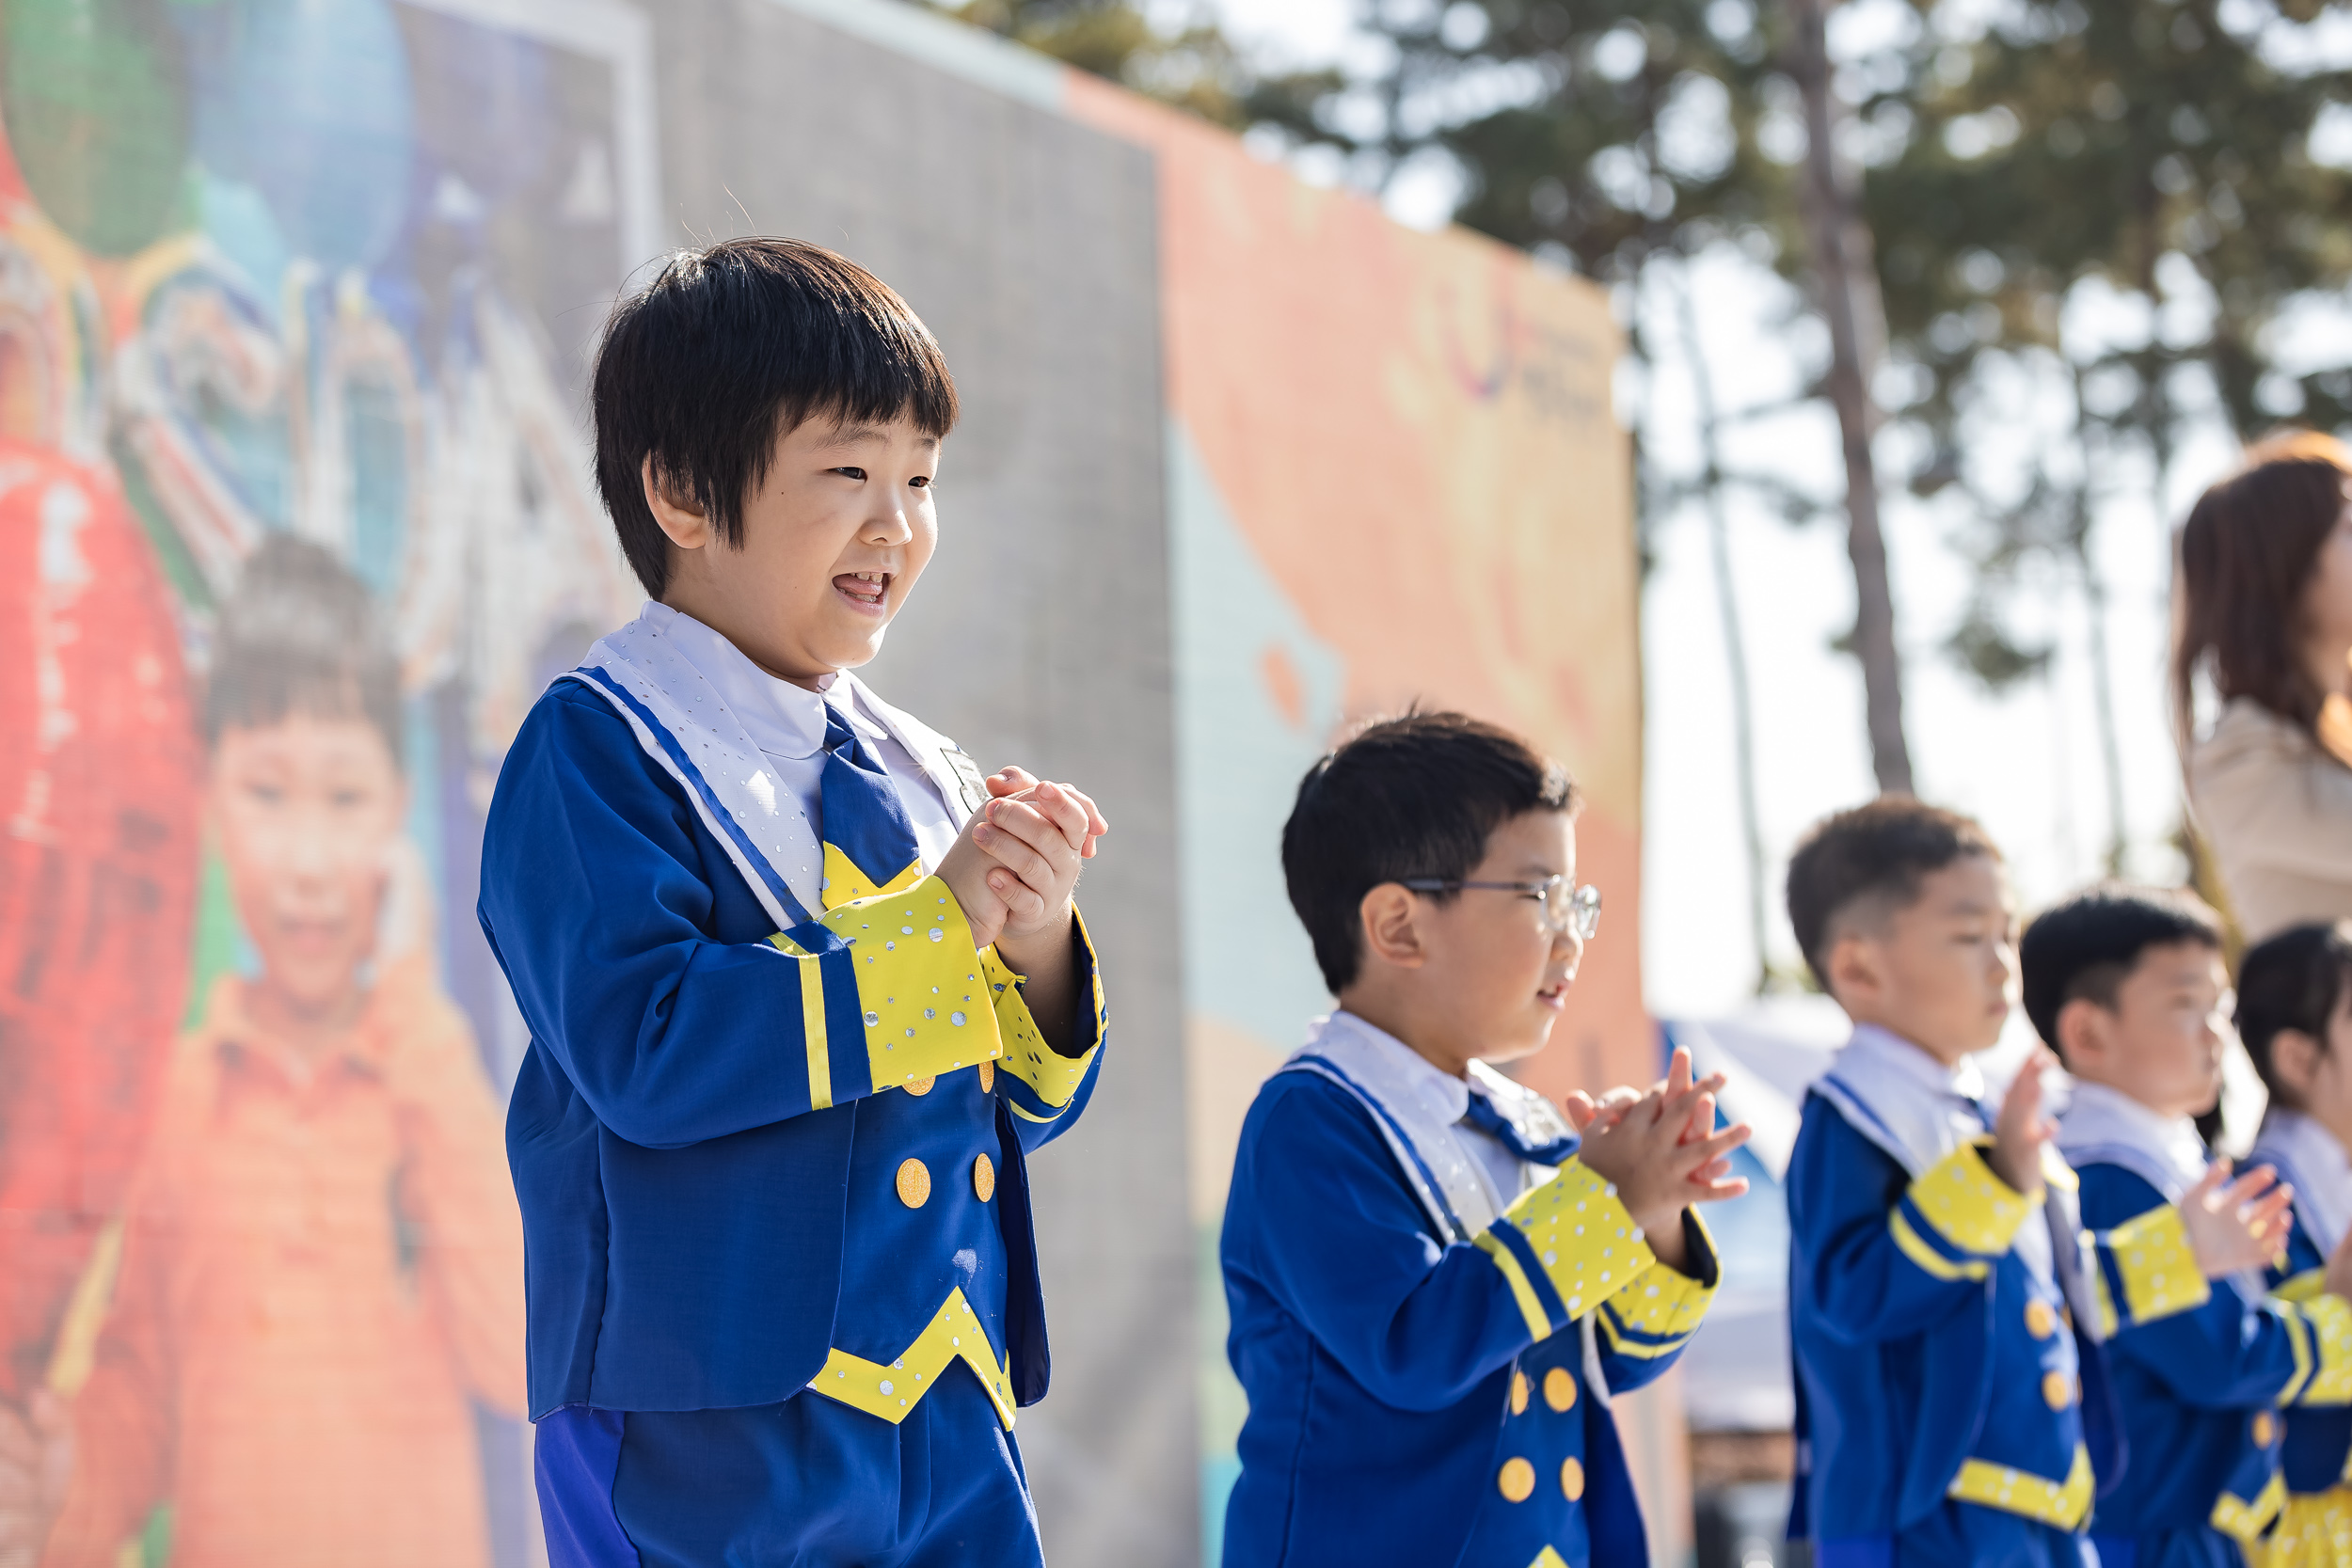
x: 954, y: 1334
x: 1971, y: 1208
x: 918, y: 985
x: 2304, y: 1286
x: 2020, y: 1492
x: 1587, y: 1242
x: 1051, y: 1076
x: 1663, y: 1308
x: 813, y: 1030
x: 2298, y: 1329
x: 2244, y: 1522
x: 1548, y: 1558
x: 1530, y: 1306
x: 1909, y: 1243
x: 2160, y: 1273
x: 2330, y: 1320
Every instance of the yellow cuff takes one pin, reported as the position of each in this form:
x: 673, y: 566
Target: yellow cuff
x: 2322, y: 1327
x: 1570, y: 1238
x: 1658, y: 1313
x: 923, y: 1006
x: 1047, y: 1080
x: 2149, y: 1254
x: 1973, y: 1211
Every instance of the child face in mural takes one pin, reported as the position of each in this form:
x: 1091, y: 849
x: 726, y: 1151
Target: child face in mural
x: 305, y: 812
x: 834, y: 537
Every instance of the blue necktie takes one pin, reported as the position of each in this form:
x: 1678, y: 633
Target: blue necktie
x: 869, y: 842
x: 1483, y: 1116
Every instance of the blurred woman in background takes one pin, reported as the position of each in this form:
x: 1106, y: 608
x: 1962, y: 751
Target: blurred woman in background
x: 2264, y: 613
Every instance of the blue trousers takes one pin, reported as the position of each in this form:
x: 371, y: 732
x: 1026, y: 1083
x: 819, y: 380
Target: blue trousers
x: 808, y: 1484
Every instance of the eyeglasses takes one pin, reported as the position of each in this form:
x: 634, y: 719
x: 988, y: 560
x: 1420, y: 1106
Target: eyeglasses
x: 1568, y: 906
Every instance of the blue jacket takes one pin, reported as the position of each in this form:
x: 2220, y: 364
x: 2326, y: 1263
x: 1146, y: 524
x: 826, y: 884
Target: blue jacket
x: 1932, y: 1366
x: 1422, y: 1399
x: 682, y: 1125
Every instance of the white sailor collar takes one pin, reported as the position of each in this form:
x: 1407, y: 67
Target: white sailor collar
x: 2103, y: 1123
x: 1886, y: 1048
x: 2307, y: 1154
x: 1444, y: 1097
x: 782, y: 719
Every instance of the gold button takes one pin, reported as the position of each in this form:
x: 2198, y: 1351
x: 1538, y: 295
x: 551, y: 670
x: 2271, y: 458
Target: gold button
x: 2041, y: 1322
x: 2264, y: 1429
x: 988, y: 1077
x: 914, y: 1183
x: 1572, y: 1479
x: 1519, y: 1393
x: 2057, y: 1390
x: 1517, y: 1479
x: 983, y: 1178
x: 1559, y: 1388
x: 922, y: 1085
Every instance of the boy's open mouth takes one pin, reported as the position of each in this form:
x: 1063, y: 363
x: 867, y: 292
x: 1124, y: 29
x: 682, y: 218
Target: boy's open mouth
x: 867, y: 590
x: 1553, y: 994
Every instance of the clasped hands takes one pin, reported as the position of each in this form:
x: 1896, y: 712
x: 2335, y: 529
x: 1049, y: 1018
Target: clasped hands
x: 1662, y: 1150
x: 1015, y: 866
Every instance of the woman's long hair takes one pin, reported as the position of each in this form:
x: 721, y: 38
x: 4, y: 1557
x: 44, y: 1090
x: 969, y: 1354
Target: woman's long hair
x: 2243, y: 559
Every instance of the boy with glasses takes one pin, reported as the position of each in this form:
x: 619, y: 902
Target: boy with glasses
x: 1436, y: 1280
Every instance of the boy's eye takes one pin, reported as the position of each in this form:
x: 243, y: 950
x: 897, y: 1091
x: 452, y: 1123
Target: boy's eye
x: 921, y: 481
x: 851, y: 473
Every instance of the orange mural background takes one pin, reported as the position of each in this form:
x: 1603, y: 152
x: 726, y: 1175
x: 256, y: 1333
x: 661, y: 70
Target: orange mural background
x: 1396, y: 477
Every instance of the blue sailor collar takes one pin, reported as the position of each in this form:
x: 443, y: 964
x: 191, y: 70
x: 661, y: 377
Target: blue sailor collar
x: 1416, y: 1105
x: 1911, y: 1105
x: 2105, y: 1126
x: 2307, y: 1156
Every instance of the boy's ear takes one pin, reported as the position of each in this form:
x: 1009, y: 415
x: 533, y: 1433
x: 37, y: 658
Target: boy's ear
x: 684, y: 523
x: 2295, y: 1057
x: 2083, y: 1034
x: 1391, y: 935
x: 1854, y: 967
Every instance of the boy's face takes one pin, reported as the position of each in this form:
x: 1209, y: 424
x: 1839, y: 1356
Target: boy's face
x: 1492, y: 966
x: 834, y: 538
x: 304, y: 811
x: 2161, y: 1042
x: 1939, y: 969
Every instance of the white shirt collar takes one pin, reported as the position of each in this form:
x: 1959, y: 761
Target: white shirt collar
x: 1889, y: 1049
x: 1445, y: 1096
x: 782, y: 719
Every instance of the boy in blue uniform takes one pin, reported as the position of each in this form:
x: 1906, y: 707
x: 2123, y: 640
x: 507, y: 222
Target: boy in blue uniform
x: 2295, y: 1014
x: 2127, y: 986
x: 1434, y: 1290
x: 803, y: 990
x: 1946, y: 1307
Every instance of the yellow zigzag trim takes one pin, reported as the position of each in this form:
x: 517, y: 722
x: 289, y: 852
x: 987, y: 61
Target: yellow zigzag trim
x: 2244, y: 1521
x: 2021, y: 1492
x: 890, y: 1392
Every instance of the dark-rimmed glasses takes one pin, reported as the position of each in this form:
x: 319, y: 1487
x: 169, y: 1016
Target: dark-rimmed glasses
x: 1569, y: 908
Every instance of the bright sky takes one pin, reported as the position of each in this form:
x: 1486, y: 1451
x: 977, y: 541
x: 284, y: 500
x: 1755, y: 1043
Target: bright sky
x: 2028, y: 764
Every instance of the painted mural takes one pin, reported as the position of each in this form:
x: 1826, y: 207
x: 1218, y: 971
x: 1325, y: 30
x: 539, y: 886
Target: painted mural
x: 1395, y: 476
x: 296, y: 523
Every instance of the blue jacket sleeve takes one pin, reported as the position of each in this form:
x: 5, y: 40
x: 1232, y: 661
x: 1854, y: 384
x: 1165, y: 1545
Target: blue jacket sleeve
x: 2229, y: 1353
x: 1320, y: 1217
x: 600, y: 909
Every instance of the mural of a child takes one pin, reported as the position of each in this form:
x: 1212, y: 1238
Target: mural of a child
x: 322, y: 1269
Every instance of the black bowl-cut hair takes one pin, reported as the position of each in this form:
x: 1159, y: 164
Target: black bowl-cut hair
x: 729, y: 348
x: 1869, y: 862
x: 301, y: 635
x: 2294, y: 980
x: 1404, y: 798
x: 2085, y: 947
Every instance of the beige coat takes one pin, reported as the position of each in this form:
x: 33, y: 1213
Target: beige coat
x: 2277, y: 813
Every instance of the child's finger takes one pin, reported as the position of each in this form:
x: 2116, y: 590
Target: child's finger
x: 2201, y: 1192
x: 1010, y: 780
x: 1014, y: 822
x: 1716, y: 1192
x: 2265, y: 1212
x: 1097, y: 824
x: 1580, y: 1110
x: 1700, y: 1151
x: 1677, y: 1072
x: 2251, y: 1185
x: 1053, y: 802
x: 1022, y: 902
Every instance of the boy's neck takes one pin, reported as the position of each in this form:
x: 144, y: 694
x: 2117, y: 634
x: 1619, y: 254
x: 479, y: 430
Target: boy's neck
x: 1401, y: 1025
x: 1894, y: 1026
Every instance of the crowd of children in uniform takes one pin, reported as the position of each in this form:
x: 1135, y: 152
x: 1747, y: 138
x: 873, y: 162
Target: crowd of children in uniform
x: 805, y: 992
